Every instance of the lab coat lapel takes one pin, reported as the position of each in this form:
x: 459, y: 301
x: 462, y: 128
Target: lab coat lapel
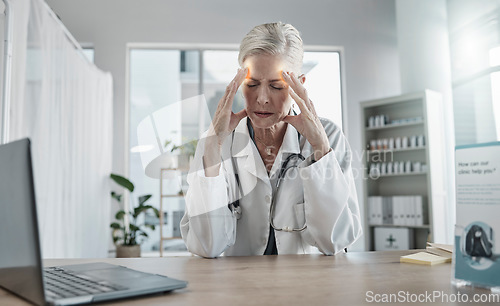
x: 246, y: 153
x: 290, y: 145
x: 291, y: 140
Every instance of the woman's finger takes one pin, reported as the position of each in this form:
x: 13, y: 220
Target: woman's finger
x: 241, y: 114
x: 300, y: 89
x: 293, y: 120
x: 297, y: 86
x: 229, y: 95
x: 288, y: 79
x: 312, y: 108
x: 223, y: 100
x: 291, y: 89
x: 300, y: 102
x: 233, y: 87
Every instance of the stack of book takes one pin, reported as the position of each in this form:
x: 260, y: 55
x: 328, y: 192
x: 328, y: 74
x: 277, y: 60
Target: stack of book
x: 435, y: 253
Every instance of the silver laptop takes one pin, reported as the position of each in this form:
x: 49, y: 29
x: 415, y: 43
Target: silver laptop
x: 21, y: 270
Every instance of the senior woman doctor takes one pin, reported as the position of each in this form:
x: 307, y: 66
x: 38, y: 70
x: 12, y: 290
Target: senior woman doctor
x: 243, y: 157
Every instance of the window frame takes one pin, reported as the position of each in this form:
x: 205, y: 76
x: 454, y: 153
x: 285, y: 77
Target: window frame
x: 216, y: 47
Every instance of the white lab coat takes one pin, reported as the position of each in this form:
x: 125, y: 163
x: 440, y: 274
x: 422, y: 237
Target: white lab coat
x: 322, y: 194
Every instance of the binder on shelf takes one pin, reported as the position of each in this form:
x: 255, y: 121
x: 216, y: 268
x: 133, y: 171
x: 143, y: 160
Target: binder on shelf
x: 374, y: 210
x: 412, y: 201
x: 400, y: 210
x: 387, y: 209
x: 381, y: 210
x: 404, y: 210
x: 380, y: 216
x: 384, y: 210
x: 371, y: 211
x: 395, y: 213
x: 396, y: 210
x: 419, y: 216
x: 409, y: 210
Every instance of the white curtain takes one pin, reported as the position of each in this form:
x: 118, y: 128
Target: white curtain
x: 67, y: 112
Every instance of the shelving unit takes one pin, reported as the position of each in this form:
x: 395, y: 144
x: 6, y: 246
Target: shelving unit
x: 394, y: 150
x: 169, y: 231
x: 401, y: 174
x: 429, y: 183
x: 393, y: 126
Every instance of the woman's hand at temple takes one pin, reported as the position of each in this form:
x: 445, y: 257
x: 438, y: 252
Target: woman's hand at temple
x: 307, y: 122
x: 223, y: 123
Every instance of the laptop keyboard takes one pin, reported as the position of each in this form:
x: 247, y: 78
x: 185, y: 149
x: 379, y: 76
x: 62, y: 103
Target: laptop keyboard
x: 62, y: 284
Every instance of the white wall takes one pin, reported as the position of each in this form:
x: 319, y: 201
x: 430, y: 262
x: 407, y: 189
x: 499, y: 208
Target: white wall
x: 365, y: 28
x: 424, y: 52
x: 2, y: 44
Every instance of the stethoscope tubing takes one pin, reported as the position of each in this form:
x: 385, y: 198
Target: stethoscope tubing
x: 283, y: 170
x: 235, y: 206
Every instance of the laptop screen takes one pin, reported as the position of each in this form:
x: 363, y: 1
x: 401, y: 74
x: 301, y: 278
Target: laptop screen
x: 20, y: 258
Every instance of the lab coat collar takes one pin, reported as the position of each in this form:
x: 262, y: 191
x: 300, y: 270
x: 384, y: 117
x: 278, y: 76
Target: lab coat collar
x: 290, y: 141
x: 289, y: 146
x: 242, y: 143
x: 243, y: 146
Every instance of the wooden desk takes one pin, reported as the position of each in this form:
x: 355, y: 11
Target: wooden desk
x: 285, y: 279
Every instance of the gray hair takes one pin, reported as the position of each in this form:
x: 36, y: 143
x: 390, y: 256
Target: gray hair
x: 274, y: 39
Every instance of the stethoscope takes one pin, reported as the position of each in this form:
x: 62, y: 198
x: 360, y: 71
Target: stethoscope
x: 285, y: 166
x: 283, y: 170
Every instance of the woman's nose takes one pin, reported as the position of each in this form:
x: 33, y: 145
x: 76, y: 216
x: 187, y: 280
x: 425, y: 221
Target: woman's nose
x: 263, y: 95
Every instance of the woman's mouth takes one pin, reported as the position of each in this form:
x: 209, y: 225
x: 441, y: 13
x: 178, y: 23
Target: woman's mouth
x: 263, y: 114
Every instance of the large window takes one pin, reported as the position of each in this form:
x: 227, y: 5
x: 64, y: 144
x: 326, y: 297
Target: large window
x: 475, y: 63
x: 173, y: 96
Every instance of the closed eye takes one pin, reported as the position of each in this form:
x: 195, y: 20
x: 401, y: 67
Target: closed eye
x: 276, y: 86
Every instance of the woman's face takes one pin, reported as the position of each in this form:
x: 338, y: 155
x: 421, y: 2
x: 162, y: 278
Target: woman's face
x: 265, y: 91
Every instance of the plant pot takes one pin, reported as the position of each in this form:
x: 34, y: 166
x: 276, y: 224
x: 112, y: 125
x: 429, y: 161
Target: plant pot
x: 126, y: 251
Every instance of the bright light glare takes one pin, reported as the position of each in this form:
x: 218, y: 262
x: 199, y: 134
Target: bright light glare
x: 495, y: 57
x: 467, y: 59
x: 138, y: 149
x: 495, y: 87
x: 322, y: 70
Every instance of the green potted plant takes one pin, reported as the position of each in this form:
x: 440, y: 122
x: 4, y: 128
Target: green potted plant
x: 186, y: 150
x: 127, y: 232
